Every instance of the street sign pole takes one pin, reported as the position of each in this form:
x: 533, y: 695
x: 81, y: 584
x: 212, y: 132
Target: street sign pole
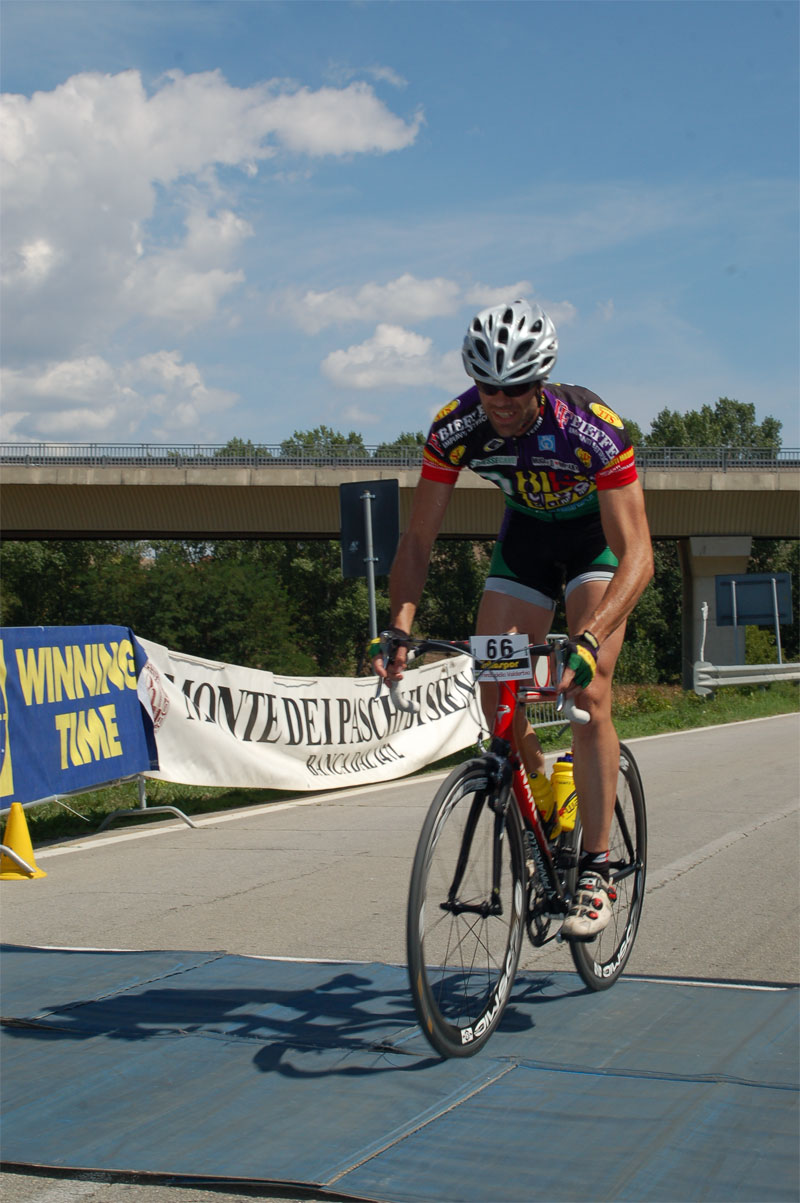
x: 369, y: 560
x: 777, y: 616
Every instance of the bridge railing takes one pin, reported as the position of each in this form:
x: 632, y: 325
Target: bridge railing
x: 215, y: 455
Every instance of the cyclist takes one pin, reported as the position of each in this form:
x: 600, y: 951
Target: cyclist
x: 574, y: 521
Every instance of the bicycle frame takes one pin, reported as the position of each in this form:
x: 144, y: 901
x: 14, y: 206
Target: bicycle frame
x: 503, y: 745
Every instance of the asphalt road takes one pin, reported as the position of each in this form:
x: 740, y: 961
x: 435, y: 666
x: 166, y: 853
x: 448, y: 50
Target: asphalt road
x: 326, y: 878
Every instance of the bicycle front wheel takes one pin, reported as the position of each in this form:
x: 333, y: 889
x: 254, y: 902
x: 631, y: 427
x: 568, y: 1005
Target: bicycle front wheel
x: 466, y: 912
x: 602, y: 960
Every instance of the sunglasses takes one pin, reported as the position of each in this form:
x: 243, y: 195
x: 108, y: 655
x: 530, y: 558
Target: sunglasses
x: 509, y: 390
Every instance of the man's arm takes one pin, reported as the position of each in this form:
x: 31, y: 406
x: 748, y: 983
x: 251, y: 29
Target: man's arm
x: 627, y: 533
x: 622, y: 513
x: 410, y: 566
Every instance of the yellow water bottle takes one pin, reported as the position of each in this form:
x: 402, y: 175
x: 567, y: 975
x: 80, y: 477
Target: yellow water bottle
x: 563, y: 786
x: 542, y: 794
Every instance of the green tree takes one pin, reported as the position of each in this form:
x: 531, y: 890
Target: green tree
x: 652, y: 648
x: 406, y: 447
x: 456, y: 576
x: 237, y: 448
x: 634, y: 431
x: 781, y: 555
x: 729, y: 424
x: 64, y: 582
x: 323, y: 443
x: 221, y: 605
x: 330, y: 611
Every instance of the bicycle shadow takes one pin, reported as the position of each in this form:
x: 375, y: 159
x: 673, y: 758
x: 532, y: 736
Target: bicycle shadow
x: 352, y: 1023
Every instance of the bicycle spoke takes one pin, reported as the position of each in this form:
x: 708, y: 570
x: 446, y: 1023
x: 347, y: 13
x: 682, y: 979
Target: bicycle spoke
x: 464, y: 943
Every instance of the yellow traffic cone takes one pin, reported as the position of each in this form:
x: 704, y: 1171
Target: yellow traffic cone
x: 17, y: 837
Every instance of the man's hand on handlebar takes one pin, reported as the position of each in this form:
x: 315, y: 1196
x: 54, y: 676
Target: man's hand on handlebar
x: 387, y: 655
x: 580, y: 664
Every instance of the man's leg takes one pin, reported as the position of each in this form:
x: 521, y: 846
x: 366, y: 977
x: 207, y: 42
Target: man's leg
x: 596, y: 767
x: 501, y: 614
x: 595, y: 744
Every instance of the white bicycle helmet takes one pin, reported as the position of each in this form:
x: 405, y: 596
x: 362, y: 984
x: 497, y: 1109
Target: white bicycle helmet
x: 510, y: 344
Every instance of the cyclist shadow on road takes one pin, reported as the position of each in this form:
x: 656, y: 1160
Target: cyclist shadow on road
x: 351, y: 1021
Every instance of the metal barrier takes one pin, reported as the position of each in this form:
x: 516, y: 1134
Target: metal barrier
x: 222, y: 455
x: 708, y: 677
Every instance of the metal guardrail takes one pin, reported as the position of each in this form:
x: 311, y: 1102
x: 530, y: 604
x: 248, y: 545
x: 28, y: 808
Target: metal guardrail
x: 215, y: 455
x: 708, y: 677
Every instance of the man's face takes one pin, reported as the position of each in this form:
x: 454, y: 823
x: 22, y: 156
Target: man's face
x: 510, y: 411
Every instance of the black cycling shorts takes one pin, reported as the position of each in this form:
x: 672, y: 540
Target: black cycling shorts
x: 535, y: 561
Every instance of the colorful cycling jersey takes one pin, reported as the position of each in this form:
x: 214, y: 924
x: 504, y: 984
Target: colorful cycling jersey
x: 576, y: 446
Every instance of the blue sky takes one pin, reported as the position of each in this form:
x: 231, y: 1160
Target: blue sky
x: 246, y: 219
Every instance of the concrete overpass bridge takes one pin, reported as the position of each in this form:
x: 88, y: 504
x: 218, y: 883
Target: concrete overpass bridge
x: 713, y: 501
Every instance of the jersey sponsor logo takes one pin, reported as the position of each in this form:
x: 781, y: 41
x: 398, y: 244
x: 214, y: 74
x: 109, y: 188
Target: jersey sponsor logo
x: 459, y: 428
x: 551, y: 490
x: 493, y: 444
x: 619, y: 463
x: 594, y: 437
x: 583, y: 456
x: 447, y: 409
x: 561, y: 411
x: 546, y: 442
x: 606, y: 415
x: 494, y: 461
x: 457, y: 454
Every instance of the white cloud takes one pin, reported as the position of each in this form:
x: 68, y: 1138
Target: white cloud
x: 112, y: 206
x: 396, y: 356
x: 338, y: 122
x: 393, y: 358
x: 187, y: 285
x: 340, y: 73
x: 405, y: 299
x: 481, y: 296
x: 151, y: 398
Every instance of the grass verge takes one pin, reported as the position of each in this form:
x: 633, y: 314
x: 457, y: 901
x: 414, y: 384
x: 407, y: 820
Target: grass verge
x: 639, y: 710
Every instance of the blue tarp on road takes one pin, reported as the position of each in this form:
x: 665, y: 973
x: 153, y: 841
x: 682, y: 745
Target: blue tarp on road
x: 217, y: 1066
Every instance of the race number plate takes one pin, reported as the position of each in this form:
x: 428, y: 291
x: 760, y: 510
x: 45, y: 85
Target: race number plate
x: 501, y: 657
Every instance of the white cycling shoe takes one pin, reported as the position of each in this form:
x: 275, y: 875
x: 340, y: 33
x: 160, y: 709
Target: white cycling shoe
x: 590, y: 912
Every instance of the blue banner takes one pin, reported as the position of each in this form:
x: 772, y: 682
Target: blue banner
x: 70, y: 716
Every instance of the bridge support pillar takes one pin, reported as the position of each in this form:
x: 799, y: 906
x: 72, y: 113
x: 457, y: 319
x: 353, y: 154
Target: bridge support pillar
x: 704, y: 557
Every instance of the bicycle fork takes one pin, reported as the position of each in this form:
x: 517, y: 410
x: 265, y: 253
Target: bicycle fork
x: 497, y: 797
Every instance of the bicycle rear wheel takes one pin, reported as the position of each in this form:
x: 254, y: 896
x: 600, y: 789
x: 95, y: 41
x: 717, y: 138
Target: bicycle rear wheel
x: 602, y: 960
x: 466, y: 911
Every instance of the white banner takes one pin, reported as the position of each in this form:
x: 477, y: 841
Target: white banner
x: 218, y: 724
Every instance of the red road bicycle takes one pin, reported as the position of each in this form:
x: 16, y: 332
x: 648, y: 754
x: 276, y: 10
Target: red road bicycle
x: 487, y: 870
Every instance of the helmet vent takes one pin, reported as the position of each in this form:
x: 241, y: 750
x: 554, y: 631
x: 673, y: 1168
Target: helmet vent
x: 513, y: 343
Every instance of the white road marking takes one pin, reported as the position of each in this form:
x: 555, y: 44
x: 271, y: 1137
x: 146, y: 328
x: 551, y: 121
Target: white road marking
x: 670, y: 873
